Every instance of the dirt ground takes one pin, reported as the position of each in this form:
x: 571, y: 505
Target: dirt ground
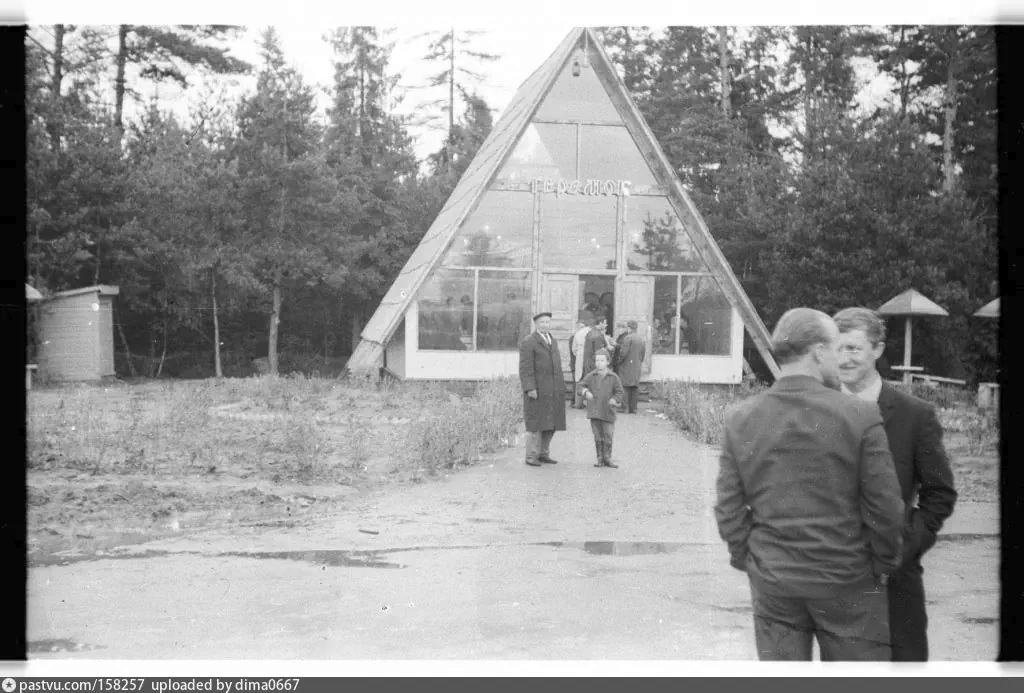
x: 498, y: 561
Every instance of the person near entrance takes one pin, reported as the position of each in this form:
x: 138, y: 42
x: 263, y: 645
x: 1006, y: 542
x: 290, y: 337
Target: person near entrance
x: 629, y: 357
x: 595, y: 340
x: 809, y: 505
x: 577, y: 346
x: 540, y: 374
x: 922, y: 467
x: 603, y: 392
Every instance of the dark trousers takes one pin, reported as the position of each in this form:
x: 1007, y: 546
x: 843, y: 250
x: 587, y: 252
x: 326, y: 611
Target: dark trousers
x: 538, y: 444
x: 603, y: 431
x: 850, y: 628
x: 908, y: 621
x: 632, y: 391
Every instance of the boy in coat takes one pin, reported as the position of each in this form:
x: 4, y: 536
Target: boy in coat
x: 603, y: 391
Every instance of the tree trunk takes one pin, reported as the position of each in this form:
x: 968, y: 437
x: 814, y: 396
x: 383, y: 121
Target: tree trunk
x: 55, y: 85
x: 119, y: 83
x: 723, y: 55
x: 96, y: 272
x: 216, y: 325
x: 124, y: 341
x: 328, y: 330
x: 275, y: 318
x: 449, y: 153
x: 163, y: 355
x: 357, y: 328
x: 152, y: 351
x: 952, y: 101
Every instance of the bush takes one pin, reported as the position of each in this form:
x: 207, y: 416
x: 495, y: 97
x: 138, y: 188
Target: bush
x: 940, y: 396
x: 459, y: 430
x: 701, y: 410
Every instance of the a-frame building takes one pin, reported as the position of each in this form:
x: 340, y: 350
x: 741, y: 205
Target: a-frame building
x: 570, y: 204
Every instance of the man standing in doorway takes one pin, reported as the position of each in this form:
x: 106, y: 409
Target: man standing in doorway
x: 577, y: 345
x: 540, y: 374
x: 629, y: 357
x: 594, y: 342
x: 808, y: 505
x: 922, y: 467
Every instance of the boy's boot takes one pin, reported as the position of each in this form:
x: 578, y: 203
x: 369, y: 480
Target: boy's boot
x: 599, y: 445
x: 608, y: 456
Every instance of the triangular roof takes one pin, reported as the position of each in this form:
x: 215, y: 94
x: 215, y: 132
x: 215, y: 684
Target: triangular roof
x: 989, y: 310
x: 911, y: 302
x: 31, y: 294
x: 488, y: 162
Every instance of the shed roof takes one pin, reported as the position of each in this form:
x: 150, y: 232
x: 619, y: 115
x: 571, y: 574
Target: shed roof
x: 911, y: 302
x: 31, y: 294
x: 101, y: 289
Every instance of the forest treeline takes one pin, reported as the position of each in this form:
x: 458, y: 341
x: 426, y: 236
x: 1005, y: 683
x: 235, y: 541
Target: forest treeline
x: 260, y: 226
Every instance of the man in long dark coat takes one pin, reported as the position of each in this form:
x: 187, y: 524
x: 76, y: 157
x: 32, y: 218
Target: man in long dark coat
x: 629, y: 361
x: 540, y: 373
x: 594, y: 342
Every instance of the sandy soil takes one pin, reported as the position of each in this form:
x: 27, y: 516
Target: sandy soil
x: 500, y: 561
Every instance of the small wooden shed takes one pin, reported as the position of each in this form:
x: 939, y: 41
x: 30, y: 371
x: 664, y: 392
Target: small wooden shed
x: 76, y: 334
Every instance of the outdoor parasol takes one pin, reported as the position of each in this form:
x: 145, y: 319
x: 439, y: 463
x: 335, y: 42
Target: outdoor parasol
x: 909, y: 304
x: 989, y: 310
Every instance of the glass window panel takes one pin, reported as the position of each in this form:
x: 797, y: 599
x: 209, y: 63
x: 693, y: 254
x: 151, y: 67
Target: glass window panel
x: 446, y: 311
x: 577, y: 98
x: 499, y: 233
x: 503, y: 310
x: 664, y: 342
x: 609, y: 153
x: 656, y: 240
x: 577, y: 232
x: 546, y: 150
x: 706, y: 318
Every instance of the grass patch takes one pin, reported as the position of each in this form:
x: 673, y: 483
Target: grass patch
x: 122, y: 455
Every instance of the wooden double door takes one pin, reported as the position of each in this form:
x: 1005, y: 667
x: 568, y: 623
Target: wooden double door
x: 564, y: 296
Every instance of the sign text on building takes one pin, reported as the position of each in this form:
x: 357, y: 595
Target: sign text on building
x: 581, y: 187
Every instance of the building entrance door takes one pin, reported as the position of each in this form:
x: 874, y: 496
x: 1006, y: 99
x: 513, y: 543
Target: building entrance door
x: 635, y: 301
x: 559, y: 296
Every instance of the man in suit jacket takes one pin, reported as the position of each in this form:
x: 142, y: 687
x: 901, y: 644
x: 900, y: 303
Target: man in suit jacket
x: 629, y: 361
x: 543, y: 383
x: 808, y: 505
x: 922, y: 468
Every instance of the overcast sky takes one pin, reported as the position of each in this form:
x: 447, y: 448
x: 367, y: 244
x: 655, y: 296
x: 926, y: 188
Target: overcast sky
x: 522, y: 32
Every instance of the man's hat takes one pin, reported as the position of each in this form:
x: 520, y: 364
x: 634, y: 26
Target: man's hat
x: 538, y: 316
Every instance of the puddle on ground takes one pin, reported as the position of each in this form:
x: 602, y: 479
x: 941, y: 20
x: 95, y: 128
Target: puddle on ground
x: 966, y: 537
x: 369, y: 558
x: 334, y: 559
x: 60, y: 645
x: 625, y: 548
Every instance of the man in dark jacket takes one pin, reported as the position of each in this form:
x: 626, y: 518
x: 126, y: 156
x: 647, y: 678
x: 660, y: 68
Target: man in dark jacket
x: 594, y: 342
x: 808, y: 504
x: 629, y: 361
x: 540, y: 374
x: 922, y: 467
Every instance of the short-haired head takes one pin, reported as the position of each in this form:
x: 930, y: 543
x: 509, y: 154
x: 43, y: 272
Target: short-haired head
x: 857, y: 318
x: 602, y: 352
x: 798, y: 331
